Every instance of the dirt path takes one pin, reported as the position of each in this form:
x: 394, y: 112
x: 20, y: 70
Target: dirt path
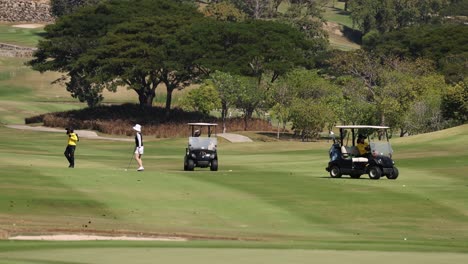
x: 234, y: 138
x: 82, y: 133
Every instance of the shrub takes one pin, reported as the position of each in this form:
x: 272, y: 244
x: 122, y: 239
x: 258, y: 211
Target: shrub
x: 119, y: 120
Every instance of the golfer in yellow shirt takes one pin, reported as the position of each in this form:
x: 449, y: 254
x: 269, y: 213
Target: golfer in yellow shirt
x: 71, y: 146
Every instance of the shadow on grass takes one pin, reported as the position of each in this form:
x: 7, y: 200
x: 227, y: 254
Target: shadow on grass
x: 288, y: 136
x: 340, y: 11
x: 343, y: 178
x: 352, y: 35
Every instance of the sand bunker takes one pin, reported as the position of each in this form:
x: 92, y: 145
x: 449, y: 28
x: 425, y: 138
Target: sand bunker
x: 93, y: 237
x: 29, y: 25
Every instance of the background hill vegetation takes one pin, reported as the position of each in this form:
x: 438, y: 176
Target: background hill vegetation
x: 185, y: 47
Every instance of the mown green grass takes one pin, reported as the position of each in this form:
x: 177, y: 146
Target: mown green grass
x: 337, y: 14
x: 20, y: 36
x: 271, y: 202
x: 276, y: 194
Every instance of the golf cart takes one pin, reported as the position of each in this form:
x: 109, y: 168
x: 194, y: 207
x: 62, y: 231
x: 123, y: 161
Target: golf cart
x: 345, y: 158
x: 201, y: 151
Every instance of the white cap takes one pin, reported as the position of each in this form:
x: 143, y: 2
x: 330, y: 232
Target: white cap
x: 137, y: 127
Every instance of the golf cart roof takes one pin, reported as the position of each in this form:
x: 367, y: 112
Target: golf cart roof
x: 363, y: 126
x: 202, y: 124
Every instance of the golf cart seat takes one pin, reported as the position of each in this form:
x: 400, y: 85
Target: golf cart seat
x: 352, y: 152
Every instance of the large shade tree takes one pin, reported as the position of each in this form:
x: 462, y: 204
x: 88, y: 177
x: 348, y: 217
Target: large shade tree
x: 253, y: 48
x: 130, y: 43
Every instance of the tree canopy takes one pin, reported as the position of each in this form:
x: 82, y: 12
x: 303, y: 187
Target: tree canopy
x: 390, y: 15
x: 118, y: 43
x: 65, y: 7
x: 445, y: 44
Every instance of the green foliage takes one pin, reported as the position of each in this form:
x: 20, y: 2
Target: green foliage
x: 424, y: 112
x: 257, y: 9
x: 299, y: 87
x: 65, y: 7
x: 120, y: 43
x: 456, y: 8
x: 455, y: 103
x: 390, y: 15
x: 391, y: 85
x: 309, y: 117
x: 250, y: 96
x: 251, y: 48
x: 224, y: 11
x: 203, y: 99
x: 445, y: 44
x: 227, y: 86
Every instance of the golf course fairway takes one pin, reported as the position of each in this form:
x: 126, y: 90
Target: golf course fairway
x: 270, y: 202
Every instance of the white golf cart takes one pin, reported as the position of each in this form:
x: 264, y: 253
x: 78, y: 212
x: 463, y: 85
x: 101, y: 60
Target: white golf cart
x: 201, y: 151
x: 345, y: 158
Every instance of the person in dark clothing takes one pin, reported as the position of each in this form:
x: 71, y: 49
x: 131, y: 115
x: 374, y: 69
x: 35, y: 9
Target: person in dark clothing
x: 139, y: 149
x: 71, y: 147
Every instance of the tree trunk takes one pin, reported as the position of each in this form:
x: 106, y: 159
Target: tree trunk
x: 223, y: 115
x: 382, y: 123
x: 169, y: 100
x: 278, y: 130
x: 247, y: 115
x: 146, y: 97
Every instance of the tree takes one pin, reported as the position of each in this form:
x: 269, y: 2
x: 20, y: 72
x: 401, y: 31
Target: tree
x: 61, y: 48
x: 123, y: 43
x: 424, y: 114
x: 60, y: 8
x: 250, y: 96
x: 385, y: 80
x: 252, y: 48
x: 444, y: 44
x: 256, y: 9
x: 145, y: 52
x: 224, y: 11
x: 455, y: 103
x: 203, y: 99
x: 309, y: 117
x: 227, y: 86
x: 389, y: 15
x: 300, y: 86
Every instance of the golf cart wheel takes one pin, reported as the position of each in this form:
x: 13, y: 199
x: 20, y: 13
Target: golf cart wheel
x: 375, y: 173
x: 355, y: 176
x: 394, y: 174
x: 190, y: 165
x: 214, y: 165
x: 335, y: 172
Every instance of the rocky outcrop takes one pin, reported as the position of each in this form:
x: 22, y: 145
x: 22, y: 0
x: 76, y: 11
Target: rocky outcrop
x: 37, y: 11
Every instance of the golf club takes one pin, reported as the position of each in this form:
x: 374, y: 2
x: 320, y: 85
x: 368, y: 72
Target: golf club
x: 130, y: 162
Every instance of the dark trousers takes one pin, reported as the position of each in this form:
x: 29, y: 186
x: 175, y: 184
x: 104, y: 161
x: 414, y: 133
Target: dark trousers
x: 70, y: 155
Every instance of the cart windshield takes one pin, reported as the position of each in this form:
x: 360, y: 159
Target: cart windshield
x: 382, y: 148
x: 208, y: 143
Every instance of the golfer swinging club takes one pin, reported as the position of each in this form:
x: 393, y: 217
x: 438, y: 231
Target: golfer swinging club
x: 71, y: 146
x: 138, y: 147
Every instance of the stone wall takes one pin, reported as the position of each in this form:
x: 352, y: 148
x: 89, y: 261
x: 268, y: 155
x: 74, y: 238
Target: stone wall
x: 30, y: 11
x: 8, y: 50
